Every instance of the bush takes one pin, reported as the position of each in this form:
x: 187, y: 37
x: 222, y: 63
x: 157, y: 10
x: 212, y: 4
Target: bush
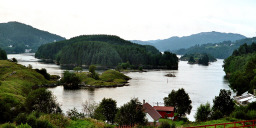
x: 8, y: 125
x: 165, y: 125
x: 57, y: 120
x: 203, y: 112
x: 24, y: 126
x: 74, y: 114
x: 42, y: 100
x: 251, y: 114
x: 44, y: 124
x: 216, y: 115
x: 31, y: 120
x: 21, y: 118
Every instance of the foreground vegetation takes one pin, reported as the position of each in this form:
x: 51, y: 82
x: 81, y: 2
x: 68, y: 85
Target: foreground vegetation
x: 240, y: 69
x: 106, y: 51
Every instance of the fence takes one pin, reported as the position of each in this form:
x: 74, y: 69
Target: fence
x: 239, y: 124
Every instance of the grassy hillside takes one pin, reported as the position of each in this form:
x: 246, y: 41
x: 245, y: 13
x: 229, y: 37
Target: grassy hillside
x: 16, y: 80
x: 15, y: 37
x: 105, y: 50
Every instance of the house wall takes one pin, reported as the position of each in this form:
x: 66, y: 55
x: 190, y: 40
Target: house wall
x: 149, y: 118
x: 164, y: 114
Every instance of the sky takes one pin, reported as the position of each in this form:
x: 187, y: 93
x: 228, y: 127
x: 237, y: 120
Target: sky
x: 133, y: 19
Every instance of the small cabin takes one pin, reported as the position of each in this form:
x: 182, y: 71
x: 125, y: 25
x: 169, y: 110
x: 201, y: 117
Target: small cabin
x: 165, y: 112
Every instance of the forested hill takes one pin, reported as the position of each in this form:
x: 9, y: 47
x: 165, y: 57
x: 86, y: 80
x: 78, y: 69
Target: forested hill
x: 15, y: 37
x: 218, y: 50
x: 175, y: 43
x: 105, y: 50
x: 240, y: 69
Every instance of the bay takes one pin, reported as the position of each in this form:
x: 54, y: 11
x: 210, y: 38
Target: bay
x: 202, y: 83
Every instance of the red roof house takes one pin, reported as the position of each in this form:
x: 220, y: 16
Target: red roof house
x: 151, y: 114
x: 165, y: 112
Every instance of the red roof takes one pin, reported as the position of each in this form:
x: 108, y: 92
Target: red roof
x: 163, y: 108
x: 151, y: 111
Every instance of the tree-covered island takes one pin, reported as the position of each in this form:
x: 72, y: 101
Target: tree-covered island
x: 198, y: 58
x: 106, y: 51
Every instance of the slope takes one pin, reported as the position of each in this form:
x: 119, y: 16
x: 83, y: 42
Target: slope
x: 15, y: 37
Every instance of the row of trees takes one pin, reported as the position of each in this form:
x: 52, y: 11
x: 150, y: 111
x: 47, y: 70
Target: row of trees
x: 240, y: 69
x: 106, y: 50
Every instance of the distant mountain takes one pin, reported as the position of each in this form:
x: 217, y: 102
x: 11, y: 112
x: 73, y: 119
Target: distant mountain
x: 218, y: 50
x: 16, y: 37
x: 175, y: 43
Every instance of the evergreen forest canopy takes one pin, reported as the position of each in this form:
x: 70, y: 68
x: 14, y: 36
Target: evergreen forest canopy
x: 16, y: 37
x: 106, y: 51
x: 240, y: 69
x: 218, y: 50
x: 3, y: 55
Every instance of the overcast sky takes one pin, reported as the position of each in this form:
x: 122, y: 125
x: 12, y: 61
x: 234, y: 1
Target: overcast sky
x: 133, y: 19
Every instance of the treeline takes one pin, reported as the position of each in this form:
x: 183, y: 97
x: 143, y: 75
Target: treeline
x: 105, y: 50
x: 218, y: 50
x: 240, y: 69
x: 15, y: 37
x: 3, y: 55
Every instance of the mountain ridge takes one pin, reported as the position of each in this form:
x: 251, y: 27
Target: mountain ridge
x: 175, y: 42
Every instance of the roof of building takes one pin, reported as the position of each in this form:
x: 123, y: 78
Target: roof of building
x: 151, y: 111
x: 164, y: 108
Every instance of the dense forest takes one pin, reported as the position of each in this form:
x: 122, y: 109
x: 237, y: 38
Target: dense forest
x: 240, y: 68
x: 3, y: 55
x: 175, y: 43
x: 106, y: 51
x: 218, y: 50
x: 16, y: 37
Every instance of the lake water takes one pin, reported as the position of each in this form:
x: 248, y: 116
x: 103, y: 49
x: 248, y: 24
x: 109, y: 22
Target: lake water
x: 202, y: 83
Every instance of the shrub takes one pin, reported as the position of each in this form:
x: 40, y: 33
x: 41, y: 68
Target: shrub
x: 31, y: 120
x: 251, y: 114
x: 44, y: 124
x: 8, y: 125
x: 24, y: 126
x: 165, y: 125
x: 21, y: 118
x: 56, y: 119
x: 42, y: 100
x: 216, y: 115
x: 239, y: 115
x: 203, y: 112
x: 74, y: 114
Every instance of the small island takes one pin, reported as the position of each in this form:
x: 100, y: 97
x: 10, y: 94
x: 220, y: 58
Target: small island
x: 198, y: 58
x: 79, y: 79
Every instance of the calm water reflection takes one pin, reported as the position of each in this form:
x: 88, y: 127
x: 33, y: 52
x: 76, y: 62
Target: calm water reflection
x: 202, y: 83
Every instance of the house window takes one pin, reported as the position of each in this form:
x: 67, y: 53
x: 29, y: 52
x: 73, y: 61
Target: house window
x: 168, y: 112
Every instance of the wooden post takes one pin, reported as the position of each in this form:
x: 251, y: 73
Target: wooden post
x: 224, y: 125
